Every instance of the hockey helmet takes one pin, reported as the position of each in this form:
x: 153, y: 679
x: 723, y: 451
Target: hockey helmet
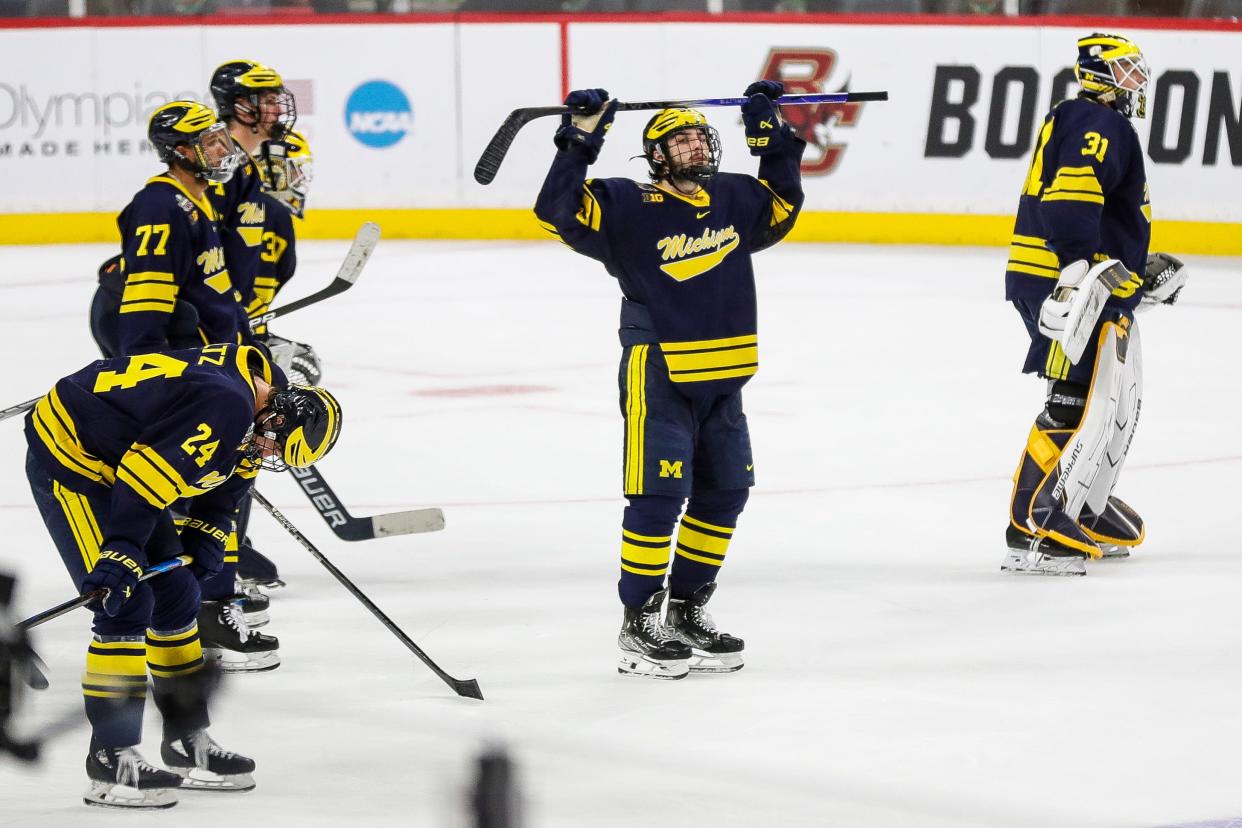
x: 297, y: 427
x: 242, y: 88
x: 190, y: 124
x: 1112, y: 70
x: 671, y: 159
x: 286, y: 167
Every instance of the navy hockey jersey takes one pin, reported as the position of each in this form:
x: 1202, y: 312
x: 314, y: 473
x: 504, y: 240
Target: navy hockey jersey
x: 277, y: 259
x: 683, y: 262
x: 171, y: 252
x: 242, y: 209
x: 147, y: 430
x: 1085, y: 197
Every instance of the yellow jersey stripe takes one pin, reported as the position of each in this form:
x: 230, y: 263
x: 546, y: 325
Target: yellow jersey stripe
x: 1034, y: 270
x: 727, y: 358
x: 635, y: 418
x: 642, y: 571
x: 1034, y: 256
x: 702, y: 524
x: 697, y: 541
x: 781, y: 209
x: 146, y: 276
x: 646, y: 555
x: 1064, y: 195
x: 626, y: 533
x: 589, y: 213
x: 699, y: 558
x: 59, y: 434
x: 708, y: 344
x: 88, y: 548
x: 706, y: 376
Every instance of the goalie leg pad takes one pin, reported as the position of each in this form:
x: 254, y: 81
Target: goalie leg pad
x: 1125, y: 421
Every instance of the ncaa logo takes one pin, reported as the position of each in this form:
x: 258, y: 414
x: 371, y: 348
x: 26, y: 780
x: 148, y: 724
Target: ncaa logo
x: 378, y: 114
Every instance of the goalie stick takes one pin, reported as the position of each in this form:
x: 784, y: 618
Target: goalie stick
x: 359, y: 252
x: 462, y: 687
x: 497, y: 148
x: 350, y: 528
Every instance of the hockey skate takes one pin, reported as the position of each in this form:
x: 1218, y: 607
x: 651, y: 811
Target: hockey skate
x: 205, y: 766
x: 227, y: 638
x: 1032, y: 555
x: 648, y: 648
x: 1117, y: 529
x: 254, y: 605
x: 711, y: 651
x: 255, y: 569
x: 121, y: 778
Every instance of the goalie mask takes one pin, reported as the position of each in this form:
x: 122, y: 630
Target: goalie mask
x: 679, y: 143
x: 1112, y: 70
x: 297, y: 427
x: 213, y: 154
x: 286, y: 167
x: 255, y: 96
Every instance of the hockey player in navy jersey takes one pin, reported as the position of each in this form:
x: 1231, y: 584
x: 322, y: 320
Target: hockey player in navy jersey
x: 111, y: 448
x: 1078, y: 269
x: 680, y: 249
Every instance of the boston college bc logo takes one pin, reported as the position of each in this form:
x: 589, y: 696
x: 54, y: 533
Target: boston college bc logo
x: 806, y: 71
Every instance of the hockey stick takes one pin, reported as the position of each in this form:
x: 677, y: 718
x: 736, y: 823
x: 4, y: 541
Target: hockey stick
x: 468, y: 687
x: 20, y: 408
x: 351, y: 268
x: 38, y: 667
x: 350, y: 528
x: 497, y: 148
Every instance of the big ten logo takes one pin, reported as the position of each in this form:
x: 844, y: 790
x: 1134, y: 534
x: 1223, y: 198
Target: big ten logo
x: 378, y: 114
x: 1010, y: 120
x: 805, y: 72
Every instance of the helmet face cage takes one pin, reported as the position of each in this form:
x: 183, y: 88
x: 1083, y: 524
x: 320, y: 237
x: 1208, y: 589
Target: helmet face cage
x: 287, y: 169
x: 297, y: 427
x: 676, y: 157
x: 1111, y: 69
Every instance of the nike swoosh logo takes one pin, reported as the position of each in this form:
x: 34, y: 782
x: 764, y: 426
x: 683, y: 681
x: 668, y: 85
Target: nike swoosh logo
x: 750, y: 466
x: 700, y: 215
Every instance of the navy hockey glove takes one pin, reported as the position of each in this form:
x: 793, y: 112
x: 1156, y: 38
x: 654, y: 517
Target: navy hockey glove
x: 118, y: 574
x: 205, y: 544
x: 765, y: 131
x: 1163, y: 280
x: 587, y: 125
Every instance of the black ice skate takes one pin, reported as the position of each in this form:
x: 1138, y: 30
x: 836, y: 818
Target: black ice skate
x: 648, y: 648
x: 255, y: 569
x: 711, y: 651
x: 1032, y: 555
x: 254, y: 605
x: 205, y: 766
x: 121, y: 778
x: 229, y: 640
x: 1117, y: 530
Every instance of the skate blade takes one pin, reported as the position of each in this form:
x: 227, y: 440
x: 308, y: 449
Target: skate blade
x: 265, y: 583
x: 633, y: 664
x: 1035, y: 563
x: 201, y: 779
x: 705, y: 662
x: 110, y: 795
x: 1114, y: 552
x: 231, y: 661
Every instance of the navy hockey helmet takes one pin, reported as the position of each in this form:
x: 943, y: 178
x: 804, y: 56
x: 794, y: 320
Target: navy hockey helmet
x: 246, y: 92
x: 1112, y: 70
x: 670, y: 157
x: 214, y: 155
x: 297, y: 427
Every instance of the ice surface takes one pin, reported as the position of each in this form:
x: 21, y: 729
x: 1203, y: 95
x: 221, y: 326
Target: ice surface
x: 894, y: 676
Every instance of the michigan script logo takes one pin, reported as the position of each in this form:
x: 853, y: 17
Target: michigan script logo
x: 690, y: 256
x: 804, y: 72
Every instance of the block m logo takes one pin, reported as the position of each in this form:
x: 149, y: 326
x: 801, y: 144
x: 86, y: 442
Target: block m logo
x: 668, y: 469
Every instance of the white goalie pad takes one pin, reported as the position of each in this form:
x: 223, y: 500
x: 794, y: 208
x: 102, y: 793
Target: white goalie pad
x: 1070, y: 313
x: 1125, y: 421
x: 1082, y: 464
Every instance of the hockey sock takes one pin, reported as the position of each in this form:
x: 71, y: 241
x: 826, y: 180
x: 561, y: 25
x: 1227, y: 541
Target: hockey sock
x: 180, y: 690
x: 646, y: 538
x: 114, y: 687
x: 703, y: 539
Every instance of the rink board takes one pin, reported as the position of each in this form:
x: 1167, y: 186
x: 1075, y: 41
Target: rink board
x: 398, y: 112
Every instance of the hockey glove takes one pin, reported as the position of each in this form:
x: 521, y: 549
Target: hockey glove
x: 588, y: 123
x: 765, y: 131
x: 1163, y: 280
x: 205, y: 544
x: 118, y: 574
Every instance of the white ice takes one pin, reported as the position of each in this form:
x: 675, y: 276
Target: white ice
x: 894, y: 676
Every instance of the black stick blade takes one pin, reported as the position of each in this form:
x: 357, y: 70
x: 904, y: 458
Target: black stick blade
x: 468, y: 688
